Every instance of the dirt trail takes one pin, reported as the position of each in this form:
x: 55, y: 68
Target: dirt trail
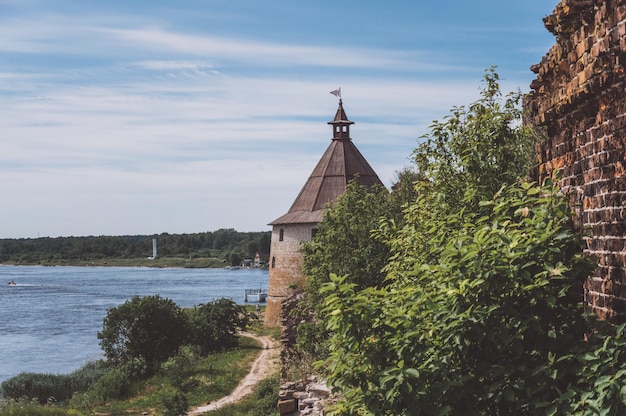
x: 262, y: 367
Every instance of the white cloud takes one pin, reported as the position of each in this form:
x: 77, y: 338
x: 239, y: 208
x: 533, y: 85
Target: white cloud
x: 107, y: 37
x: 120, y: 123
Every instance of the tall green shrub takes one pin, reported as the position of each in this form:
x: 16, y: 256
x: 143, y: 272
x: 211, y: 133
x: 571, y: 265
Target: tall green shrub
x: 343, y: 244
x: 477, y: 148
x: 177, y: 369
x: 149, y: 328
x: 343, y: 241
x: 42, y: 387
x: 494, y: 326
x: 214, y: 325
x: 24, y: 407
x: 175, y: 402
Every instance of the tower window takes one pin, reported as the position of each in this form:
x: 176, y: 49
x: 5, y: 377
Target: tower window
x: 273, y: 262
x: 281, y: 235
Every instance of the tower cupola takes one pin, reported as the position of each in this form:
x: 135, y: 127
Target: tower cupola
x: 341, y: 124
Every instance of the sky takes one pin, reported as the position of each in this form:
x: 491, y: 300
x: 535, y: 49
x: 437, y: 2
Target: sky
x: 144, y: 117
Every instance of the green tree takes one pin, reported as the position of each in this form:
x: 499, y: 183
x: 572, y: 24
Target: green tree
x: 176, y: 403
x: 252, y: 247
x: 348, y: 240
x: 264, y: 245
x: 481, y: 331
x: 464, y: 159
x: 481, y: 313
x: 214, y: 325
x: 223, y: 238
x: 235, y: 258
x: 344, y: 243
x: 459, y: 162
x: 149, y: 328
x: 476, y: 149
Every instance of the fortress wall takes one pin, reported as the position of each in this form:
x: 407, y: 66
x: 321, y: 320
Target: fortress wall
x: 578, y: 102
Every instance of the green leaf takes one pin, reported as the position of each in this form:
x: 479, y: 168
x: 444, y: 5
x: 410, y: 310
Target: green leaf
x: 412, y: 372
x: 551, y: 410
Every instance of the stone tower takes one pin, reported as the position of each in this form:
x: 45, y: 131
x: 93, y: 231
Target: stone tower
x: 340, y: 163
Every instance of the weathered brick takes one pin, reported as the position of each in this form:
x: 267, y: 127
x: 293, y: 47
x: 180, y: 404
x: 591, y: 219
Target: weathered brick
x: 288, y: 406
x: 578, y: 97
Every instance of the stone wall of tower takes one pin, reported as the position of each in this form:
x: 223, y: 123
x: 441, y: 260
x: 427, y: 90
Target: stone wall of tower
x: 285, y: 266
x: 579, y: 99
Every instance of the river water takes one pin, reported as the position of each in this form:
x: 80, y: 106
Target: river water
x: 50, y: 317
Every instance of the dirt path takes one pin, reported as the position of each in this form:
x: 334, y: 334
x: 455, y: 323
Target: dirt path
x: 266, y: 362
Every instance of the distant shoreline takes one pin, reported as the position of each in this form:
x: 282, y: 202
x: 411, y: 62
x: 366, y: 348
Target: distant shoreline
x: 165, y: 262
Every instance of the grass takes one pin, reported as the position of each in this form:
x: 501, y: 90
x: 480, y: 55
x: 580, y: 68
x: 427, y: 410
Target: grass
x: 257, y: 327
x: 28, y: 408
x: 214, y: 377
x: 263, y: 401
x: 209, y: 379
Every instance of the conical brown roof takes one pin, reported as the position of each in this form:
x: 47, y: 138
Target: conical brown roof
x: 341, y: 163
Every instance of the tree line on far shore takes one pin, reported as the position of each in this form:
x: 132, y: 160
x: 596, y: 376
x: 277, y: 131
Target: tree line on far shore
x: 227, y: 244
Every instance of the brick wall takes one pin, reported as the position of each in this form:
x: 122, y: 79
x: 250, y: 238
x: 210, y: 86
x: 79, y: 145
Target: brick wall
x: 578, y: 101
x: 285, y: 267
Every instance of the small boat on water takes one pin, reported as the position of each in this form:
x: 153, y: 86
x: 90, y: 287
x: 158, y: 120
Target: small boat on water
x: 232, y: 267
x: 12, y: 283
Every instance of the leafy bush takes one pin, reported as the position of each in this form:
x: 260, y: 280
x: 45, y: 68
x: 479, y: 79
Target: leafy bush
x: 47, y: 388
x: 150, y: 329
x: 477, y: 148
x: 214, y: 325
x: 175, y: 403
x: 266, y: 397
x: 26, y: 407
x: 41, y: 387
x: 343, y: 244
x: 83, y: 378
x: 597, y: 370
x: 177, y: 369
x: 494, y: 326
x: 115, y: 384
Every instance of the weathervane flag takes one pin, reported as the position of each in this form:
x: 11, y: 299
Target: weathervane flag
x: 337, y: 92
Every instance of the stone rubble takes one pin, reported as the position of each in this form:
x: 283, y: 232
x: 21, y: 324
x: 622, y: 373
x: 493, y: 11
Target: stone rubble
x: 304, y: 398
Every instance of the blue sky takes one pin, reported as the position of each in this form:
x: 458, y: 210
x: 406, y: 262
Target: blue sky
x: 142, y: 117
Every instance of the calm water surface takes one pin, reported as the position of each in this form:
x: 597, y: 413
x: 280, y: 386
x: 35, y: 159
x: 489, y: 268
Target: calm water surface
x: 49, y: 320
